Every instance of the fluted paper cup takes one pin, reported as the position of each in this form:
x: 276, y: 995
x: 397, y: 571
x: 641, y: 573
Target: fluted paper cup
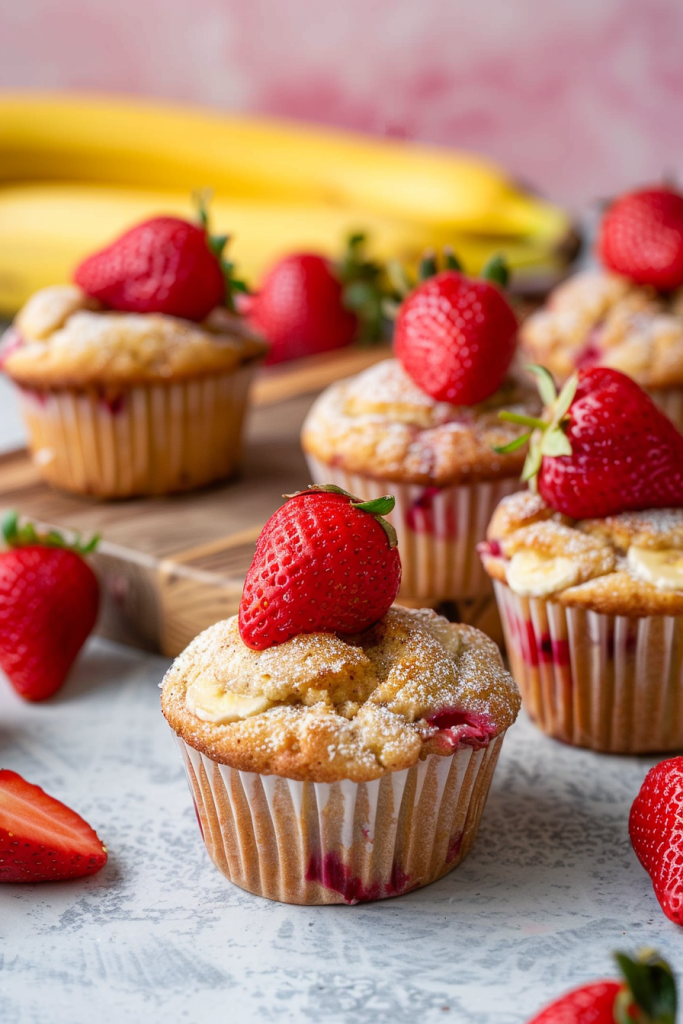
x: 342, y: 842
x: 145, y: 439
x: 438, y: 530
x: 608, y: 682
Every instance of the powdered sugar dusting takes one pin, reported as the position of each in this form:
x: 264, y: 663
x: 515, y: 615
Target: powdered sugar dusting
x: 346, y: 708
x: 601, y: 319
x: 381, y: 424
x: 67, y: 341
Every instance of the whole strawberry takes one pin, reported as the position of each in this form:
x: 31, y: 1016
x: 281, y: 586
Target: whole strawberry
x: 456, y: 336
x: 641, y: 237
x: 164, y: 265
x: 300, y: 309
x: 41, y: 839
x: 325, y: 562
x: 602, y: 448
x: 646, y: 995
x: 308, y: 304
x: 656, y: 830
x: 49, y: 598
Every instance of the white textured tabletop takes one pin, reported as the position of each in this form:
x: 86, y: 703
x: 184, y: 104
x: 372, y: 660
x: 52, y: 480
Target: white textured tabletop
x: 550, y: 888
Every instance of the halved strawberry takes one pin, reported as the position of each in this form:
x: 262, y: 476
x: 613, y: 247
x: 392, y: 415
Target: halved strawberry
x: 41, y: 839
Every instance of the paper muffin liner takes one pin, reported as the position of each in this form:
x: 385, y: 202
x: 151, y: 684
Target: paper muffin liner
x: 342, y: 842
x: 670, y: 401
x: 145, y: 439
x: 608, y: 682
x: 438, y: 529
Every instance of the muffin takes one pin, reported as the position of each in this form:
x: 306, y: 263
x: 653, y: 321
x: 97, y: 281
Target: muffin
x: 119, y: 404
x: 598, y: 318
x: 380, y: 432
x: 339, y: 769
x: 592, y: 612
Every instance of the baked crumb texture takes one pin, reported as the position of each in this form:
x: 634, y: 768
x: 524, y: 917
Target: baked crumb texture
x: 597, y: 318
x: 63, y: 339
x: 354, y: 708
x: 381, y: 425
x: 593, y: 619
x: 622, y: 565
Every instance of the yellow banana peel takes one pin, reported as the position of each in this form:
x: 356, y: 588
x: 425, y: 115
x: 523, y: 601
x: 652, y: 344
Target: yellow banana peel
x: 101, y: 140
x: 75, y: 171
x: 46, y: 229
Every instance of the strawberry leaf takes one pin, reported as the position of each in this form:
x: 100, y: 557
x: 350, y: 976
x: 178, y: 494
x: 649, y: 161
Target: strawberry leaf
x: 565, y: 398
x: 652, y: 987
x: 548, y: 436
x: 201, y: 197
x: 555, y: 442
x: 217, y: 243
x: 364, y: 288
x: 26, y: 534
x: 232, y: 285
x: 428, y: 267
x: 377, y: 506
x: 511, y: 446
x: 546, y: 384
x: 398, y: 278
x: 496, y: 271
x: 451, y: 261
x: 532, y: 463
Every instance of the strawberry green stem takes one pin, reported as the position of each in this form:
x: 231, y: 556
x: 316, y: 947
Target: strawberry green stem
x: 17, y: 536
x: 524, y: 421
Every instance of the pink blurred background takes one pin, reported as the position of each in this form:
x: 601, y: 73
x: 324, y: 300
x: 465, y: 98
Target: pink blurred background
x: 580, y: 99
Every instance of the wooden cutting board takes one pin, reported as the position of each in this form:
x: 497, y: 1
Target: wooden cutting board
x: 172, y: 566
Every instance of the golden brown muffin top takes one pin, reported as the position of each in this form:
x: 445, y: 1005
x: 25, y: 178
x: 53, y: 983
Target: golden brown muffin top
x: 63, y: 338
x: 325, y: 708
x: 597, y: 318
x: 629, y: 564
x: 381, y: 424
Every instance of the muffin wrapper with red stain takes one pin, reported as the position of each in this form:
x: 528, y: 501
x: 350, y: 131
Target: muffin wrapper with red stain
x: 147, y: 439
x: 608, y: 682
x: 342, y: 842
x: 438, y: 529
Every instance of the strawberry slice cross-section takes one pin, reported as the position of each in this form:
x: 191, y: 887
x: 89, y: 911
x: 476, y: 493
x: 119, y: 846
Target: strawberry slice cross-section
x: 41, y: 839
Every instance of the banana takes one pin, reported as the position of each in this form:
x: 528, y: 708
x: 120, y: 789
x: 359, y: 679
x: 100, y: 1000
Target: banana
x: 663, y: 569
x: 208, y: 700
x: 46, y: 229
x: 531, y: 574
x: 109, y: 141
